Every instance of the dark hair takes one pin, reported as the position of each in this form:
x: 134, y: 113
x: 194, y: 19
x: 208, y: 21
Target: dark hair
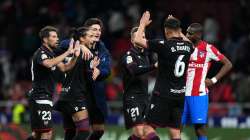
x: 133, y: 30
x: 76, y: 33
x: 172, y: 23
x: 44, y: 32
x: 195, y: 28
x: 91, y: 21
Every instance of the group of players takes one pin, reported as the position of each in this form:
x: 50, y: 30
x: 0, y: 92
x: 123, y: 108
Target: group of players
x: 83, y: 62
x: 180, y: 94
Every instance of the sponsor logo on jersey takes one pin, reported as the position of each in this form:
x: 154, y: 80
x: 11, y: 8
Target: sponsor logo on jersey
x: 201, y: 54
x: 195, y: 65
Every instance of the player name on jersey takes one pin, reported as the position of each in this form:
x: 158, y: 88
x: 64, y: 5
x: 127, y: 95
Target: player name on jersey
x: 181, y: 46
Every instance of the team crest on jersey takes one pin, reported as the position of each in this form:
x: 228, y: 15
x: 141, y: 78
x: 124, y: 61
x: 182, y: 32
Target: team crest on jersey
x: 201, y: 54
x: 129, y: 59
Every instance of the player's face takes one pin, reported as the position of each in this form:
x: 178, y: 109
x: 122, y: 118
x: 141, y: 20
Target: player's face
x: 97, y: 31
x: 53, y: 39
x: 190, y: 36
x: 89, y: 38
x: 133, y: 37
x: 194, y: 37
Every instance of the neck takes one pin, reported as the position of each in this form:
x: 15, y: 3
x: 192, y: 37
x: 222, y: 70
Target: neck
x: 138, y: 47
x: 173, y: 34
x: 47, y: 46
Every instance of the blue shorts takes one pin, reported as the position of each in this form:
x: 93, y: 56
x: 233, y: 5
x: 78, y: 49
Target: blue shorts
x: 195, y: 110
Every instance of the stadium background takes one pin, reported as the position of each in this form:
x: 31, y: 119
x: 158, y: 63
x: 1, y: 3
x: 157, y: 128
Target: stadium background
x: 226, y: 24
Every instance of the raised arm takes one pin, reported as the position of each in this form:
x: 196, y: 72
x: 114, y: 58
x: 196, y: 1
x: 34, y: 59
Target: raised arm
x: 144, y: 22
x: 69, y: 65
x: 55, y: 61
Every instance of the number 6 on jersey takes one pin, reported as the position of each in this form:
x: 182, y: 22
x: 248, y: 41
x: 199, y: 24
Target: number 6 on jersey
x: 179, y: 66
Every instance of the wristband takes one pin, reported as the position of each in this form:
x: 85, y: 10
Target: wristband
x: 214, y: 80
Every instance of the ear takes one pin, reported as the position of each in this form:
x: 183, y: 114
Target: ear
x: 45, y: 40
x: 132, y: 38
x: 81, y: 39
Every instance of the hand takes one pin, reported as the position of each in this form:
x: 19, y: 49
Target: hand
x: 145, y: 19
x: 96, y: 73
x: 208, y: 82
x: 77, y: 48
x: 95, y: 62
x: 86, y: 52
x: 156, y: 65
x: 71, y: 45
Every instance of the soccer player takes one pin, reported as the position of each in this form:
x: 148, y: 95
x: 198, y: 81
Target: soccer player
x: 97, y: 75
x: 167, y: 101
x: 196, y: 96
x: 135, y: 66
x: 72, y: 102
x: 44, y: 64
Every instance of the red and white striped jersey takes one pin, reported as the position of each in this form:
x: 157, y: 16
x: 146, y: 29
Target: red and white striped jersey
x: 199, y: 64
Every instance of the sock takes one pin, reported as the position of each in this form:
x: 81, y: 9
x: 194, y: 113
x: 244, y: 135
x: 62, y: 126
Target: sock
x: 69, y: 134
x: 82, y: 128
x: 152, y: 136
x: 96, y: 135
x: 133, y: 137
x: 202, y: 137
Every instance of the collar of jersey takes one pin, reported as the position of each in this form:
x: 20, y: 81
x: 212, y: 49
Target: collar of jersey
x: 43, y: 48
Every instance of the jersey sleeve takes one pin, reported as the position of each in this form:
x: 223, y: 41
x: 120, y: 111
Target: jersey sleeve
x: 155, y: 45
x: 133, y: 67
x: 214, y: 53
x: 41, y: 57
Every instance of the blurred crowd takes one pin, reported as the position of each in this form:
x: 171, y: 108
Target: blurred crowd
x: 226, y: 24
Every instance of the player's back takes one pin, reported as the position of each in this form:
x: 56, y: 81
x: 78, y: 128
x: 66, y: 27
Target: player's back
x: 173, y: 58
